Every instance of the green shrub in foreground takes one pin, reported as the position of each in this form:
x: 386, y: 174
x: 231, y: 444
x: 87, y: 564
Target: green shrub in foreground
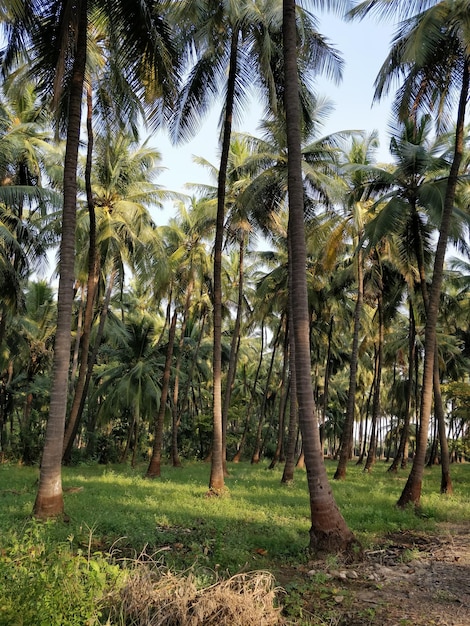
x: 47, y: 585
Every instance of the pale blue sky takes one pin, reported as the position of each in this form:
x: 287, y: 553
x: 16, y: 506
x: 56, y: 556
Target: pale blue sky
x: 364, y: 46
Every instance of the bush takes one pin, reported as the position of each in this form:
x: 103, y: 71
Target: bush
x: 48, y: 584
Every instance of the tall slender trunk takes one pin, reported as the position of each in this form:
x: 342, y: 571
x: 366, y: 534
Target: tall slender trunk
x: 216, y: 480
x: 154, y: 468
x: 371, y: 456
x: 446, y: 480
x: 329, y: 531
x: 92, y: 356
x: 92, y: 285
x: 256, y: 456
x: 347, y: 436
x: 284, y: 393
x: 175, y: 408
x: 412, y: 491
x: 246, y: 428
x: 49, y: 499
x: 293, y: 429
x: 400, y: 456
x: 232, y: 363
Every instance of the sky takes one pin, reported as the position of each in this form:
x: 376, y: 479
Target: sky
x: 364, y: 46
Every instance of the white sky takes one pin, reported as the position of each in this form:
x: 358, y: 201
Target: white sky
x: 364, y: 46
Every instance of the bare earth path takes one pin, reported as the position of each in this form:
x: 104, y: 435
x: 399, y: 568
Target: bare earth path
x: 409, y: 579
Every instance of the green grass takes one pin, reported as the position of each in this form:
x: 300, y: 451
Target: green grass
x: 260, y: 524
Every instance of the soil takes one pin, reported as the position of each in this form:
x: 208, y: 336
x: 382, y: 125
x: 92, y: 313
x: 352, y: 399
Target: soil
x: 408, y: 579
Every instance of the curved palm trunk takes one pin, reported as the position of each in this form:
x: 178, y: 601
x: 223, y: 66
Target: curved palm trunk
x: 154, y: 468
x: 92, y: 284
x: 216, y: 480
x: 412, y: 490
x: 329, y: 531
x: 49, y: 499
x: 347, y: 436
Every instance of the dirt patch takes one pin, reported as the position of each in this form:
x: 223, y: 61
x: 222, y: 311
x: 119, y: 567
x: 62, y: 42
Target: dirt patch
x: 408, y: 579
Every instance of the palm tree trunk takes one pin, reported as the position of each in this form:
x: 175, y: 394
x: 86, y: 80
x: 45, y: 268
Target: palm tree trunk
x: 400, y: 456
x: 371, y: 456
x: 446, y: 480
x: 92, y: 284
x: 91, y: 363
x: 292, y: 432
x: 347, y: 436
x: 256, y: 456
x: 246, y: 428
x: 49, y: 499
x: 232, y: 364
x: 329, y: 531
x: 412, y: 491
x: 216, y: 480
x: 175, y: 419
x: 284, y: 393
x: 154, y: 468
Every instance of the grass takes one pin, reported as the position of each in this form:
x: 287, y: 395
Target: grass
x: 260, y: 524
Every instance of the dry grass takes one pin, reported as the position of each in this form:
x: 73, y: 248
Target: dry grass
x: 155, y: 597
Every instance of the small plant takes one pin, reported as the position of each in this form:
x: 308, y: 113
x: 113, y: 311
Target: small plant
x: 43, y: 583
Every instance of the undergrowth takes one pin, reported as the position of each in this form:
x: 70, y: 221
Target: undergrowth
x: 61, y: 573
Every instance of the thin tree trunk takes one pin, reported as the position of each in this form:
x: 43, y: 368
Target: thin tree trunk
x: 175, y: 419
x: 246, y: 428
x: 292, y: 433
x: 412, y: 491
x: 92, y: 284
x: 90, y: 364
x: 154, y: 468
x: 446, y: 480
x: 378, y: 382
x: 405, y: 433
x: 49, y: 499
x: 347, y: 435
x: 284, y: 393
x: 232, y: 363
x: 255, y: 457
x: 216, y: 480
x: 329, y: 531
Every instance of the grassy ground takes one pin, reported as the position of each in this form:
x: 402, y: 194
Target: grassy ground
x: 260, y: 524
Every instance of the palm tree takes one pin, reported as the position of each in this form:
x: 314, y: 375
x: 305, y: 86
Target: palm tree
x: 57, y: 33
x: 127, y: 382
x: 432, y: 78
x: 122, y: 189
x: 329, y: 530
x: 236, y: 50
x: 357, y: 203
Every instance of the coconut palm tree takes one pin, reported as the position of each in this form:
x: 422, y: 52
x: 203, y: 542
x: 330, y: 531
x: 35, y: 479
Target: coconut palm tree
x: 329, y: 530
x: 235, y: 50
x: 56, y: 31
x: 123, y: 190
x: 433, y: 79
